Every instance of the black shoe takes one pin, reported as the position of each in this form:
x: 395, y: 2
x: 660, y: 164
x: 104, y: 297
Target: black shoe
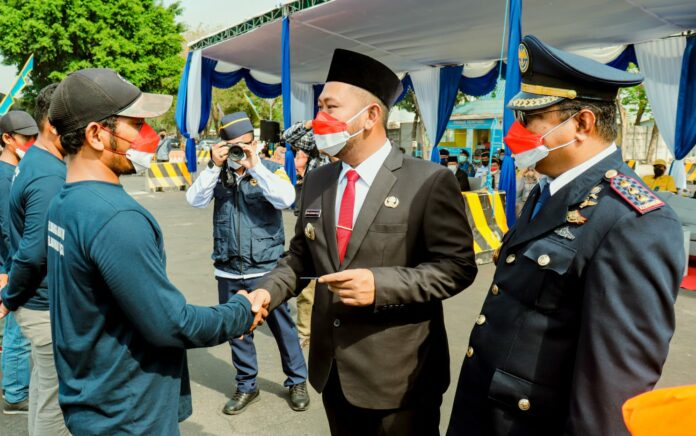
x: 21, y: 408
x: 299, y: 398
x: 239, y: 402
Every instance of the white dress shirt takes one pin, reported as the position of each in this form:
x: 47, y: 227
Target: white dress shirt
x: 278, y: 191
x: 367, y: 170
x: 573, y: 173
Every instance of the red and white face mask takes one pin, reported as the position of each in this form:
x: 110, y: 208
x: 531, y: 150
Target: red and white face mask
x: 142, y: 149
x: 22, y: 149
x: 528, y: 148
x: 331, y: 134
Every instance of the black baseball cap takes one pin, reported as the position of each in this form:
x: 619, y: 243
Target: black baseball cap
x: 93, y: 94
x: 18, y: 122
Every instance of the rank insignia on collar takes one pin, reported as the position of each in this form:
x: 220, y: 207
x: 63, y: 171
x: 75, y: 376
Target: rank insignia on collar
x: 635, y: 193
x: 253, y: 182
x: 564, y: 232
x: 309, y: 231
x: 575, y: 217
x: 596, y: 190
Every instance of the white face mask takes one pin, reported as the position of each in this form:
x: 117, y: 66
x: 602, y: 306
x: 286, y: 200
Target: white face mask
x: 530, y: 158
x: 330, y: 134
x: 452, y: 168
x: 141, y: 160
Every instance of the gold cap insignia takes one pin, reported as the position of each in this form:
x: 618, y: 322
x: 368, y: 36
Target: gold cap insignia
x: 523, y: 56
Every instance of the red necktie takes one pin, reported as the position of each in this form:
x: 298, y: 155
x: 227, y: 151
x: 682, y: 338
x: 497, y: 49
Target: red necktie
x: 345, y: 214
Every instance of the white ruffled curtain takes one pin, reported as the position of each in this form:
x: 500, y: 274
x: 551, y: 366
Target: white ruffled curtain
x: 302, y: 102
x: 193, y: 94
x: 660, y: 62
x: 426, y: 85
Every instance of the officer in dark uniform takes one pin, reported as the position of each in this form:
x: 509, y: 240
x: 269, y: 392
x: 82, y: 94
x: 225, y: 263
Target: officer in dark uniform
x: 580, y: 313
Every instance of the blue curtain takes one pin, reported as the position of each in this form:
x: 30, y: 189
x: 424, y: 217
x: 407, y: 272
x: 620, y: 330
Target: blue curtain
x: 406, y: 84
x: 317, y: 92
x: 449, y: 86
x: 627, y: 56
x: 480, y: 86
x: 180, y: 116
x: 508, y: 183
x: 685, y: 133
x: 286, y: 82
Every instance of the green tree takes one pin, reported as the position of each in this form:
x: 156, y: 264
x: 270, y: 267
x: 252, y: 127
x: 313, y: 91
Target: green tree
x: 138, y: 38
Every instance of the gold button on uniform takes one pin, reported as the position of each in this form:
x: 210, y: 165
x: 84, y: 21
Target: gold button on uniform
x: 481, y: 320
x: 611, y: 174
x: 544, y: 260
x: 524, y: 404
x: 470, y: 351
x: 510, y: 259
x: 495, y: 290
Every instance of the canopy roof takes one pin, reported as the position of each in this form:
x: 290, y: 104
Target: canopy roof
x: 410, y: 35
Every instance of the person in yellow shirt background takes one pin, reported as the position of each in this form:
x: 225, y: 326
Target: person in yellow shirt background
x: 660, y: 181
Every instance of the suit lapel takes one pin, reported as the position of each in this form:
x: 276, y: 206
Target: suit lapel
x: 328, y: 204
x: 381, y: 185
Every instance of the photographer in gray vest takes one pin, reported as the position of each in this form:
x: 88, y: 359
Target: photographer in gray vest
x: 249, y: 194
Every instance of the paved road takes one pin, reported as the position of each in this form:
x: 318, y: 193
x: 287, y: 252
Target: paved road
x: 188, y: 241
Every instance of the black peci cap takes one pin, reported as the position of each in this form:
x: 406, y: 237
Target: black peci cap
x: 550, y: 75
x: 366, y: 73
x: 269, y: 131
x: 235, y: 125
x: 93, y: 94
x: 18, y: 122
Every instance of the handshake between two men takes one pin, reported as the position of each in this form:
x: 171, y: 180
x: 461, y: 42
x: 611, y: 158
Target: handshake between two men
x: 354, y: 287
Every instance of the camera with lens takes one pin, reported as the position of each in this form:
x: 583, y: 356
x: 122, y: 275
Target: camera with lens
x: 236, y: 153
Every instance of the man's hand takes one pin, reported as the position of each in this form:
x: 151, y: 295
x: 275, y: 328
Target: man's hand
x: 260, y: 314
x: 355, y: 287
x: 4, y: 278
x: 252, y: 157
x: 219, y: 153
x: 3, y: 311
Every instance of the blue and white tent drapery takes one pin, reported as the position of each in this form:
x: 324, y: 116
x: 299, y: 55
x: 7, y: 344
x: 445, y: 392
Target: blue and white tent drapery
x: 286, y: 82
x: 508, y: 178
x: 661, y: 63
x: 685, y: 134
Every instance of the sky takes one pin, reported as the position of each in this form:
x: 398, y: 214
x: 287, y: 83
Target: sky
x: 210, y: 14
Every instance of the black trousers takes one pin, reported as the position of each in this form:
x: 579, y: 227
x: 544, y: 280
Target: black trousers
x: 419, y: 419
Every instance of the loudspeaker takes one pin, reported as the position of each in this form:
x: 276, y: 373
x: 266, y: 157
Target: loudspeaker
x: 270, y: 131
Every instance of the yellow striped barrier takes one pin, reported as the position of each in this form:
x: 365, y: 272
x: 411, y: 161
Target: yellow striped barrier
x: 486, y: 215
x: 203, y: 156
x: 168, y: 177
x: 690, y: 168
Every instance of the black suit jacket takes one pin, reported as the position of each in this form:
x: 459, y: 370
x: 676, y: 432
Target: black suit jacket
x: 463, y: 180
x: 420, y: 253
x: 578, y: 318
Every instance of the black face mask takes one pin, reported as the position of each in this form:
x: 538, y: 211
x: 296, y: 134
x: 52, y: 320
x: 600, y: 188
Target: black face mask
x: 659, y: 171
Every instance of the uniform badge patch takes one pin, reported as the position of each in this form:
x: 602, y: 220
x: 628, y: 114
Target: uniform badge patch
x: 564, y: 232
x: 575, y: 217
x: 634, y: 193
x: 312, y: 213
x: 309, y: 231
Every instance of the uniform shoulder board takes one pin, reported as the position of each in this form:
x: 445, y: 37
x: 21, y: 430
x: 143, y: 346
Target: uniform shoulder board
x: 634, y: 192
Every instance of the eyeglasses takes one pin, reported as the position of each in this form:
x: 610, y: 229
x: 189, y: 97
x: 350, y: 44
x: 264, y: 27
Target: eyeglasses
x: 521, y: 116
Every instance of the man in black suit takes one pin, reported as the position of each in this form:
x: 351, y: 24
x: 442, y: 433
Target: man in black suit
x: 462, y: 178
x: 580, y: 313
x: 387, y: 236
